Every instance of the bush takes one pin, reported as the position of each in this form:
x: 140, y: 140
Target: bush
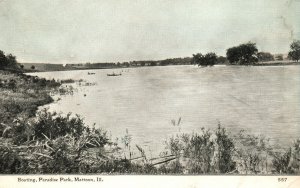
x: 53, y: 144
x: 11, y: 162
x: 209, y: 59
x: 65, y: 154
x: 53, y: 125
x: 204, y: 153
x: 265, y: 56
x: 253, y: 153
x: 281, y: 162
x: 225, y: 152
x: 288, y: 162
x: 21, y: 131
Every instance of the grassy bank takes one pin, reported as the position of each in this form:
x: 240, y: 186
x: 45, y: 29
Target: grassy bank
x: 50, y: 143
x: 20, y: 95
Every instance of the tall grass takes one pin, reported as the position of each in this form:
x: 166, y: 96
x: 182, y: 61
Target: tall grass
x: 289, y: 161
x: 203, y: 153
x: 52, y: 144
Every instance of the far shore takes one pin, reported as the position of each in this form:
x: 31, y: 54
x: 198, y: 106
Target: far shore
x: 60, y: 67
x: 280, y: 63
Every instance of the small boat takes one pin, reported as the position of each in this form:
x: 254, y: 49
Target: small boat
x: 114, y: 74
x: 91, y: 73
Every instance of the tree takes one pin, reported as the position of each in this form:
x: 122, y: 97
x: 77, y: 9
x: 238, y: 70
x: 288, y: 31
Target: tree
x: 166, y: 62
x: 153, y: 63
x: 221, y: 60
x: 125, y: 64
x: 294, y: 53
x: 197, y: 58
x: 3, y: 60
x: 32, y: 67
x: 265, y: 56
x: 8, y: 62
x: 209, y: 59
x: 244, y: 54
x: 11, y: 61
x: 279, y: 57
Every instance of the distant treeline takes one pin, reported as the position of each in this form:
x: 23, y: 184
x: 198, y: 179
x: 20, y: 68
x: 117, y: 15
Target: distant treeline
x: 172, y: 61
x: 243, y: 54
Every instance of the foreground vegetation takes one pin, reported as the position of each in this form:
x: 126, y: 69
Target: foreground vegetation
x: 20, y: 95
x: 63, y: 144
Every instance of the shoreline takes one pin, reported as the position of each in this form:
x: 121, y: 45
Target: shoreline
x: 263, y: 64
x: 22, y: 94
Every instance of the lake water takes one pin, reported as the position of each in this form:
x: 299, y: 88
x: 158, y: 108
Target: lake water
x: 261, y: 100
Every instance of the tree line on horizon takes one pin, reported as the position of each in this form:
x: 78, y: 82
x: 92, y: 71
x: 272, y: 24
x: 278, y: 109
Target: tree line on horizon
x: 243, y: 54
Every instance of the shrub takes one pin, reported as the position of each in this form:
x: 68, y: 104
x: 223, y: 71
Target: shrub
x: 294, y: 163
x: 209, y: 59
x: 225, y: 150
x: 200, y: 151
x: 72, y: 150
x: 21, y: 131
x: 265, y: 56
x: 53, y: 125
x: 253, y: 153
x: 281, y: 162
x: 11, y: 162
x: 206, y: 152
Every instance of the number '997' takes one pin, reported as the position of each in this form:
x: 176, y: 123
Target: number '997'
x: 282, y: 179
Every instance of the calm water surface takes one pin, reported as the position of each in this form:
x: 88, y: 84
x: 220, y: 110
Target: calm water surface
x: 261, y: 100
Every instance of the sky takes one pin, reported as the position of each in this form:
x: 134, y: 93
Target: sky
x: 73, y: 31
